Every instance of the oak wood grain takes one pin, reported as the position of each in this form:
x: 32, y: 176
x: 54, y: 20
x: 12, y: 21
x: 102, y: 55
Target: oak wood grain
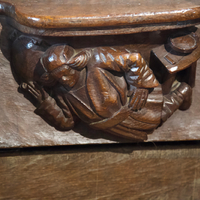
x: 128, y: 172
x: 99, y: 17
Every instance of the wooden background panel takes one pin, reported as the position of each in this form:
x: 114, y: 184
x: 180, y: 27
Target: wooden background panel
x: 102, y: 172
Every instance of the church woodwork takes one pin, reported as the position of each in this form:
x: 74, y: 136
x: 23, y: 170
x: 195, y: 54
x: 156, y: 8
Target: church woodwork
x: 81, y: 70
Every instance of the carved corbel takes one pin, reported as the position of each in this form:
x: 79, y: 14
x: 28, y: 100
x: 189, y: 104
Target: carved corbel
x: 113, y: 89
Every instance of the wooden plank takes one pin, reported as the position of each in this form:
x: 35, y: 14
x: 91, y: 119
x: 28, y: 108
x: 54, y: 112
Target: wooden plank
x: 125, y: 172
x: 99, y: 17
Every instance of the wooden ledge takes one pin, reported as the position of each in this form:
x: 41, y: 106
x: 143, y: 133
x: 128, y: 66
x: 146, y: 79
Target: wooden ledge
x: 95, y: 17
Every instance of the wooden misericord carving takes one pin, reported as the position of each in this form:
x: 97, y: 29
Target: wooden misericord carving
x: 110, y: 88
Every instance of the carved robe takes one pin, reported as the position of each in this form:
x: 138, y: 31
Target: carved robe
x: 100, y: 98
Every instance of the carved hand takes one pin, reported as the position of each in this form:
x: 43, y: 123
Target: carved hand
x: 36, y: 91
x: 138, y: 99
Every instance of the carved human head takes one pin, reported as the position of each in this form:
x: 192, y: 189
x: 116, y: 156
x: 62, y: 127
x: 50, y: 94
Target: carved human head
x: 26, y: 52
x: 54, y: 61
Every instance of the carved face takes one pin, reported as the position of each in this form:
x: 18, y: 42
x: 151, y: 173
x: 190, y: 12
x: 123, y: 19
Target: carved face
x: 54, y: 62
x: 65, y: 75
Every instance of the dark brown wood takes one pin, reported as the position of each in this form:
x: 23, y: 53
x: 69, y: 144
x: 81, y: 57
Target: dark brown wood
x: 184, y: 43
x: 101, y: 172
x: 126, y: 90
x: 124, y: 85
x: 111, y: 89
x: 21, y: 127
x: 99, y: 17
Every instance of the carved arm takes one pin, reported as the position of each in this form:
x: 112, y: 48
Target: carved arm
x: 137, y: 74
x: 58, y: 116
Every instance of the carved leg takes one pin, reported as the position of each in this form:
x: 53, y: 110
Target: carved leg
x: 179, y: 98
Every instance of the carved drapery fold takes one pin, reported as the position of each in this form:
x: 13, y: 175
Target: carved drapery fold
x: 112, y: 89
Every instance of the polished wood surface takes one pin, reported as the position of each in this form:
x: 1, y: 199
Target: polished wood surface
x: 21, y: 127
x: 115, y: 171
x: 99, y: 17
x: 110, y: 88
x: 70, y: 78
x: 105, y: 172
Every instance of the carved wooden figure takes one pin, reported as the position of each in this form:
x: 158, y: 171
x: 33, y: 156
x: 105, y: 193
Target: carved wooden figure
x: 110, y: 88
